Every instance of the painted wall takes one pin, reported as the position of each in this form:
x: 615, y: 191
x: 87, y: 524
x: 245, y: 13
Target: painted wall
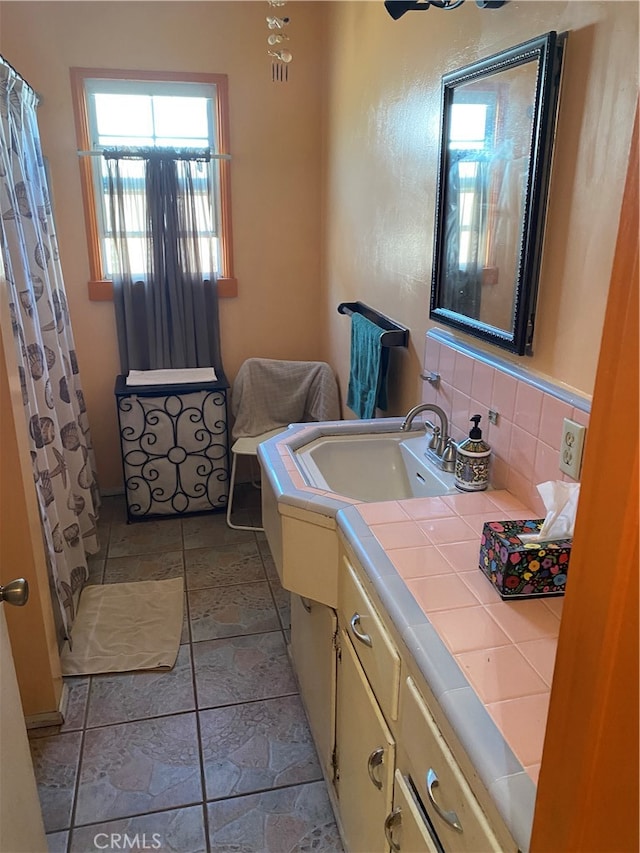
x: 334, y: 173
x: 275, y: 134
x: 382, y: 153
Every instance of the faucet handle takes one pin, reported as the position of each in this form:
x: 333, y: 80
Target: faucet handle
x: 434, y: 443
x: 449, y: 456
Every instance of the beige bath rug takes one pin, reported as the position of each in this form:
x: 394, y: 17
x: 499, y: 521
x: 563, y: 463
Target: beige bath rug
x: 126, y: 626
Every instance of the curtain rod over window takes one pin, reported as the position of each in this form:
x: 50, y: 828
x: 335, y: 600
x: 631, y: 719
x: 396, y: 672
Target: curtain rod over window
x: 99, y: 152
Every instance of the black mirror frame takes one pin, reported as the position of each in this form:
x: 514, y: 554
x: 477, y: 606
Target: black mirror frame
x: 547, y: 50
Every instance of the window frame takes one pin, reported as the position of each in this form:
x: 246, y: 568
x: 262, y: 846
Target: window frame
x: 100, y: 288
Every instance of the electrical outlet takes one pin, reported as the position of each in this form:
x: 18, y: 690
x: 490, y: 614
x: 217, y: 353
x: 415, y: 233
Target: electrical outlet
x: 571, y: 448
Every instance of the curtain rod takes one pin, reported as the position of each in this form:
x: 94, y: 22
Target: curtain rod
x: 20, y: 77
x: 99, y: 153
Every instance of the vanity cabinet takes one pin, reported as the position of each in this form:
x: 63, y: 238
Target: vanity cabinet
x: 386, y: 712
x: 365, y: 757
x: 398, y: 778
x: 313, y: 649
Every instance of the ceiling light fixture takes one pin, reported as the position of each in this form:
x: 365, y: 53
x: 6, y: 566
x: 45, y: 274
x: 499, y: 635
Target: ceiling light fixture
x: 397, y: 8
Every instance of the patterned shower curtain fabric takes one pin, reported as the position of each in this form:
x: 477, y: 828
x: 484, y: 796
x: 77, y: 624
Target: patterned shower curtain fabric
x: 56, y: 415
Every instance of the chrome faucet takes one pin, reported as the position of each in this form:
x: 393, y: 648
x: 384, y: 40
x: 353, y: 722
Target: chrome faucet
x: 442, y: 448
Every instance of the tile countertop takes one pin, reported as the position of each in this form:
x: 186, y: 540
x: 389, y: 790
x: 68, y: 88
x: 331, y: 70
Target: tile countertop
x: 489, y: 662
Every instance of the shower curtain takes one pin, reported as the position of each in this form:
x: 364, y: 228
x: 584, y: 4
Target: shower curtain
x: 56, y: 416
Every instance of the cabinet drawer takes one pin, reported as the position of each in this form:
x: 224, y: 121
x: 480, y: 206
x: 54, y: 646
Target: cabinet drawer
x: 376, y: 651
x: 456, y: 816
x: 406, y: 828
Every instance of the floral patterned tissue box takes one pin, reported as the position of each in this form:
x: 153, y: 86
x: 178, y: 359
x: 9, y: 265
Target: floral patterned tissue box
x: 520, y: 570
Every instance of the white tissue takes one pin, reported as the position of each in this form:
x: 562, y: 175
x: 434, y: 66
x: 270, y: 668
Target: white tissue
x: 561, y: 502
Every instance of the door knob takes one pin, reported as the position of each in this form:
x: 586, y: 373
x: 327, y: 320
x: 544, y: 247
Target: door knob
x: 15, y: 592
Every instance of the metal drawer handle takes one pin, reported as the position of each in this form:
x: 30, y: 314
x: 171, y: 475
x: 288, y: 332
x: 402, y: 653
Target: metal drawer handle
x: 449, y: 817
x: 305, y: 603
x: 392, y: 819
x: 375, y: 760
x: 364, y: 638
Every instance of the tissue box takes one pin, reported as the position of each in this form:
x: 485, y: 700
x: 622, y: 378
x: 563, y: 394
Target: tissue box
x: 523, y: 571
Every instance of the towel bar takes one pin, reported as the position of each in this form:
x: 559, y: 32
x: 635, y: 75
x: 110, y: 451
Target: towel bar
x: 394, y: 335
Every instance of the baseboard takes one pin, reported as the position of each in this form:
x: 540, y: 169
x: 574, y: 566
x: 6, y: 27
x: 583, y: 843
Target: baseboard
x: 50, y: 718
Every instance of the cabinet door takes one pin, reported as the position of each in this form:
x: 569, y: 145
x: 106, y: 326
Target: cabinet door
x: 365, y: 758
x: 406, y: 826
x: 313, y: 627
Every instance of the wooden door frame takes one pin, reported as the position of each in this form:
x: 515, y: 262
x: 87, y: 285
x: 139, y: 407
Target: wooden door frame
x: 588, y: 787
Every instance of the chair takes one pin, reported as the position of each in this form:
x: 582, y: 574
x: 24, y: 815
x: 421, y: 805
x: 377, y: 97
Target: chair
x: 269, y: 394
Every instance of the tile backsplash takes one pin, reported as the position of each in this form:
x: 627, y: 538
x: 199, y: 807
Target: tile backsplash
x: 525, y: 441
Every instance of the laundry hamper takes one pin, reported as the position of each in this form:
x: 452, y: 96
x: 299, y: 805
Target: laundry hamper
x: 175, y: 447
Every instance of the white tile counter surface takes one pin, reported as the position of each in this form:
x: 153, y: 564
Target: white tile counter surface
x: 488, y: 662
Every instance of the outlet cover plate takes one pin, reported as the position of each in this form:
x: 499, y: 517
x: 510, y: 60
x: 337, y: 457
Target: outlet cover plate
x: 571, y: 447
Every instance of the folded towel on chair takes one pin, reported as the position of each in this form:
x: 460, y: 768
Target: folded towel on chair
x: 272, y: 393
x: 368, y: 373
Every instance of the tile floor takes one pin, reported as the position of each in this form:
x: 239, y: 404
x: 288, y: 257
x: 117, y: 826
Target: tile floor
x: 215, y: 755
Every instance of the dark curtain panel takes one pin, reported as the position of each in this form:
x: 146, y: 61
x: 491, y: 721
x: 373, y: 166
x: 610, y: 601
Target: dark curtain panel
x: 160, y: 224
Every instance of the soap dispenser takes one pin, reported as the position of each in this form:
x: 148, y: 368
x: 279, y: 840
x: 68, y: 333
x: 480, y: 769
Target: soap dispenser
x: 472, y: 460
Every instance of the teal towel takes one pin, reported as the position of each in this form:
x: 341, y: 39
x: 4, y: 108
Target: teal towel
x: 368, y: 372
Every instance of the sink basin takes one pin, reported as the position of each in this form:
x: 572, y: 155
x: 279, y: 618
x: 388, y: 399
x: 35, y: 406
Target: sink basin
x: 373, y: 467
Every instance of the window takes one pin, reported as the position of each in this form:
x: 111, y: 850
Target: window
x: 471, y: 136
x: 147, y: 109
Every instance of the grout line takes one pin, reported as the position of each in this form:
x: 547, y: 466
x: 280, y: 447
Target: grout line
x: 266, y: 790
x: 203, y: 783
x: 248, y: 701
x: 189, y: 805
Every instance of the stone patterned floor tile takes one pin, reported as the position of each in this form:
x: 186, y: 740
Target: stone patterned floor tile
x: 57, y: 842
x: 206, y: 531
x: 55, y: 764
x: 144, y: 567
x: 145, y: 537
x: 256, y: 746
x: 78, y: 687
x: 185, y: 636
x: 247, y: 496
x: 229, y: 611
x: 175, y: 831
x: 288, y: 820
x: 243, y: 518
x: 134, y: 768
x: 113, y: 509
x: 282, y: 599
x: 239, y: 669
x: 223, y: 566
x: 120, y: 697
x: 95, y: 564
x: 270, y: 569
x: 103, y: 529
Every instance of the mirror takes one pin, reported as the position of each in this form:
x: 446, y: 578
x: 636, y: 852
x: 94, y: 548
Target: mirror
x: 498, y: 124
